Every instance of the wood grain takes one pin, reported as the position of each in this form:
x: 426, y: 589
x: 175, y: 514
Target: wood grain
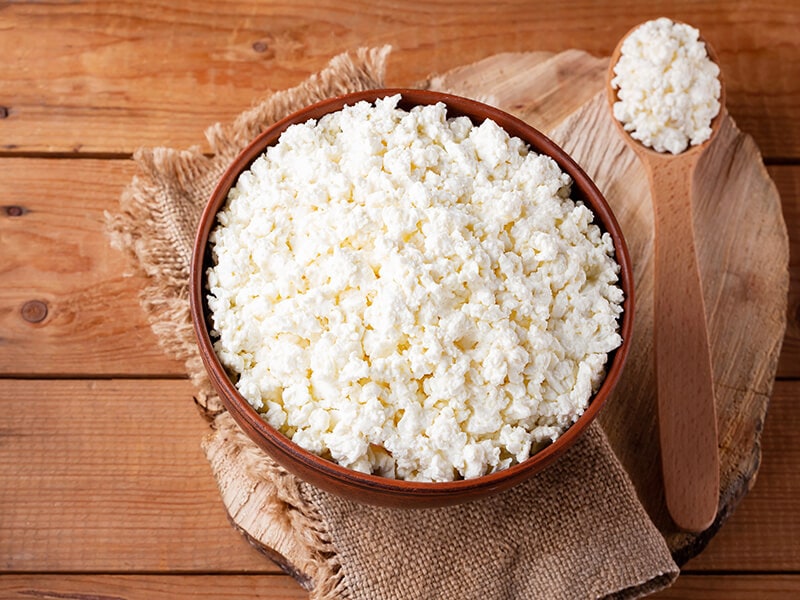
x: 149, y: 587
x: 123, y: 459
x: 687, y: 420
x: 109, y: 476
x: 55, y: 254
x: 787, y: 178
x: 110, y: 76
x: 276, y: 587
x: 732, y: 587
x: 767, y: 511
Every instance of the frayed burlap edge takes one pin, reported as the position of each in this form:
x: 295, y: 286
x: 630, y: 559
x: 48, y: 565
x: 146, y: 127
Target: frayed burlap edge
x: 320, y: 565
x: 155, y: 227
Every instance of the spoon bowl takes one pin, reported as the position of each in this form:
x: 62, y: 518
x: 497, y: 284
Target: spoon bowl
x: 646, y: 153
x: 684, y: 376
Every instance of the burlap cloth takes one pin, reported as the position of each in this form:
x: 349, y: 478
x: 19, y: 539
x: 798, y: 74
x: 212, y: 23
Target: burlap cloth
x: 576, y: 530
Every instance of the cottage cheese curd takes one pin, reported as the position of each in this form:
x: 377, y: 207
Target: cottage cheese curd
x: 668, y: 87
x: 411, y: 295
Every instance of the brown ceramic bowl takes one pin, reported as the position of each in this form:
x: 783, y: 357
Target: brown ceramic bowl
x: 374, y: 489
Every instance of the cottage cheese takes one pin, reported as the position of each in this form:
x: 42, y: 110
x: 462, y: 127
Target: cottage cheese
x: 410, y: 295
x: 668, y: 88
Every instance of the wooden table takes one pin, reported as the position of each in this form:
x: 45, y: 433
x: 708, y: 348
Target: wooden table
x: 104, y: 491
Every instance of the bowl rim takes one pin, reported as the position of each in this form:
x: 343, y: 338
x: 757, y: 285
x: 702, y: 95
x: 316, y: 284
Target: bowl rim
x: 243, y: 412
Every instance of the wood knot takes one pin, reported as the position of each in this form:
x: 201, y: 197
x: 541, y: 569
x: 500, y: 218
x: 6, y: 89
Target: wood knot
x: 34, y: 311
x: 260, y: 46
x: 3, y: 112
x: 14, y: 210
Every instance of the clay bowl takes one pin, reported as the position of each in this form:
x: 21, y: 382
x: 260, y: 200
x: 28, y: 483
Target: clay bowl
x: 374, y: 489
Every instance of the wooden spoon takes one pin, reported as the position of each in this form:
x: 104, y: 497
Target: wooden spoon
x: 684, y: 378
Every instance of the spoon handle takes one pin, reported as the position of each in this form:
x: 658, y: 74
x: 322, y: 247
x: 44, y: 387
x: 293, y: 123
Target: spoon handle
x: 686, y: 403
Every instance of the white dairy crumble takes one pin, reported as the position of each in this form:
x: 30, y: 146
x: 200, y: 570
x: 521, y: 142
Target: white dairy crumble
x: 668, y: 87
x: 410, y: 295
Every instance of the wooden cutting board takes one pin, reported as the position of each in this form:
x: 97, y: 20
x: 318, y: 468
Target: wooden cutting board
x: 743, y: 252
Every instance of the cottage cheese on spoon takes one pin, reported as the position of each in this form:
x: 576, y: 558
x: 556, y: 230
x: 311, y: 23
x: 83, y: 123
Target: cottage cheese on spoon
x: 668, y: 88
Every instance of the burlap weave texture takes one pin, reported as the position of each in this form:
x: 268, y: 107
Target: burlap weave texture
x: 575, y: 531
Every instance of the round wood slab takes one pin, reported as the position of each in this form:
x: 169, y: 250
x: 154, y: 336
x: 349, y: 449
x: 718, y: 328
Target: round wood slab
x: 742, y: 247
x: 743, y: 252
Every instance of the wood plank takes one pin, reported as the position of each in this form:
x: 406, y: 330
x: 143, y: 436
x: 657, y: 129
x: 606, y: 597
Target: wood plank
x: 732, y: 587
x: 109, y: 476
x: 110, y: 77
x: 150, y: 587
x: 56, y: 252
x: 763, y: 534
x: 124, y: 459
x: 787, y: 179
x: 277, y: 587
x: 68, y: 302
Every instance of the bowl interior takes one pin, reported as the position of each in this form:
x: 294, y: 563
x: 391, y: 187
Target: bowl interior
x: 374, y: 488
